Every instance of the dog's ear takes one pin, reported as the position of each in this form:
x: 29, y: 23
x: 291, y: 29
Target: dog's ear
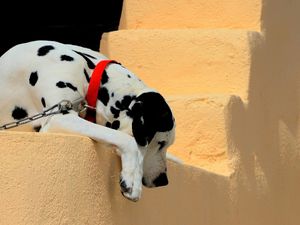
x: 151, y: 114
x: 139, y: 128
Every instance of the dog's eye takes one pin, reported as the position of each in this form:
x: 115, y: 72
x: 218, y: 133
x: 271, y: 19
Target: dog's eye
x: 161, y: 144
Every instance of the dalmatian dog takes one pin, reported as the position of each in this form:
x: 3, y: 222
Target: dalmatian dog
x: 129, y: 115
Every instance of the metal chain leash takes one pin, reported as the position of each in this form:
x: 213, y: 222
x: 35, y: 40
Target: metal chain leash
x: 63, y: 107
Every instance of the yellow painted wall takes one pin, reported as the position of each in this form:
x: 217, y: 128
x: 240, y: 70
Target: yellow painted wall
x: 67, y: 179
x: 157, y: 14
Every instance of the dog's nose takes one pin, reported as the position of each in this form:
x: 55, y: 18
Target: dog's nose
x: 161, y: 180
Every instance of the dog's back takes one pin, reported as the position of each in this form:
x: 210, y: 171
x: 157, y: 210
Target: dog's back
x: 30, y: 74
x: 39, y: 74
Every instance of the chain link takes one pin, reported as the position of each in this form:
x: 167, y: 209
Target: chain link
x: 62, y: 107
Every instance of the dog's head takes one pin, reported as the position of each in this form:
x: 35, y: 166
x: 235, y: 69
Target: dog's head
x: 153, y: 128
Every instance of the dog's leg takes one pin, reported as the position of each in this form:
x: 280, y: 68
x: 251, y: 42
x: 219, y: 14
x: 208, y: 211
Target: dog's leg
x: 131, y: 156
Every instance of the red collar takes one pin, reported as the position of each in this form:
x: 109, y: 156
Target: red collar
x: 92, y: 93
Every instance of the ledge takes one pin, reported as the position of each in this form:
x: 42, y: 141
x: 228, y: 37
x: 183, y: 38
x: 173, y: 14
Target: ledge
x: 68, y: 179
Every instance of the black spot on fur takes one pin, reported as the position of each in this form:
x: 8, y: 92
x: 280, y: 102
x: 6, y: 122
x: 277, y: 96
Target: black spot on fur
x: 62, y: 84
x: 112, y: 94
x: 108, y: 124
x: 87, y: 58
x: 125, y: 102
x: 129, y: 113
x: 43, y: 102
x: 37, y: 128
x: 115, y: 112
x: 119, y: 105
x: 66, y: 58
x: 45, y: 50
x: 87, y: 55
x: 115, y: 125
x: 33, y: 78
x: 128, y: 76
x: 104, y: 78
x: 69, y: 85
x: 86, y: 75
x: 64, y: 112
x: 103, y: 95
x: 19, y: 113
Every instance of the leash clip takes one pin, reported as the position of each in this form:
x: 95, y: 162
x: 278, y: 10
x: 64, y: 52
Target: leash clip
x: 80, y: 105
x: 83, y: 107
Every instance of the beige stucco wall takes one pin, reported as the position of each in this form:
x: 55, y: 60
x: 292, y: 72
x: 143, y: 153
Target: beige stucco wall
x: 65, y: 179
x: 52, y: 179
x: 157, y: 14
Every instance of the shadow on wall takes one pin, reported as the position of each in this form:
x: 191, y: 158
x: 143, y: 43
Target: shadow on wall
x: 265, y: 133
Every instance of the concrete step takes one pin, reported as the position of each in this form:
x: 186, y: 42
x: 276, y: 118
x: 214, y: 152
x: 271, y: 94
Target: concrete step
x: 137, y: 14
x: 201, y: 133
x: 186, y: 61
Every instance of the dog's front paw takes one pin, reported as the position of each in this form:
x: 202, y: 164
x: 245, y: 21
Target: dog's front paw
x: 132, y: 171
x: 131, y: 188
